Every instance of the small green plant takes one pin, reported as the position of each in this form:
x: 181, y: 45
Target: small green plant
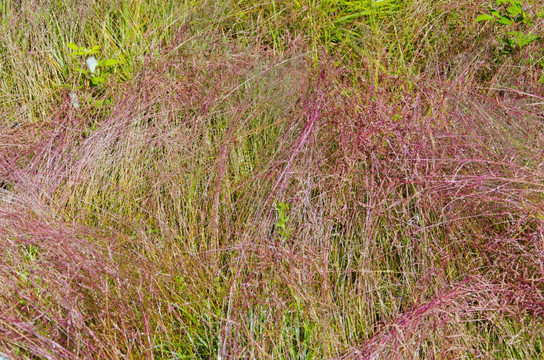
x: 30, y: 252
x: 96, y: 74
x: 510, y: 13
x: 98, y: 71
x: 282, y: 211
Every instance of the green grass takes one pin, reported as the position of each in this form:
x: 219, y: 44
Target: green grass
x: 270, y: 180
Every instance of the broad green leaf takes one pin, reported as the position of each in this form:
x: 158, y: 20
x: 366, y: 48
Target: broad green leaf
x: 97, y: 80
x: 484, y: 17
x: 514, y: 10
x: 109, y: 62
x: 73, y: 46
x: 89, y: 52
x: 505, y: 21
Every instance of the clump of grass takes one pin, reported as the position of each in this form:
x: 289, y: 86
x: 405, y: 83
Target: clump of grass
x: 237, y: 190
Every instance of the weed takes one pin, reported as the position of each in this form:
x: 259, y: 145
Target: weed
x: 282, y: 222
x: 106, y: 67
x: 510, y: 14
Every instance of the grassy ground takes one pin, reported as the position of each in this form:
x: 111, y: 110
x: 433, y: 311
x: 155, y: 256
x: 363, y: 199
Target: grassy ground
x: 271, y: 180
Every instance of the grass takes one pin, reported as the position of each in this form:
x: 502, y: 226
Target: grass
x: 276, y: 180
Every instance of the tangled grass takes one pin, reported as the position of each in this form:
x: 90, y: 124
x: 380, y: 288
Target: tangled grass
x: 406, y: 150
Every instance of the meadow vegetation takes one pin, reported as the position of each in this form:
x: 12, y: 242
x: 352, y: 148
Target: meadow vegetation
x: 288, y: 179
